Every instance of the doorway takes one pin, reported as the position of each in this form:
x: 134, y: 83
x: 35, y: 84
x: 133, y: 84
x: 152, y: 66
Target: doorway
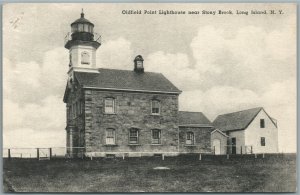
x: 217, y: 146
x: 233, y: 145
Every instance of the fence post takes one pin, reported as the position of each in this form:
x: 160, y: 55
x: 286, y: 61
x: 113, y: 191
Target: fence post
x: 163, y: 157
x: 251, y: 150
x: 123, y: 156
x: 38, y: 153
x: 21, y: 155
x: 200, y: 157
x: 263, y: 155
x: 214, y: 150
x: 241, y: 149
x: 50, y: 153
x: 227, y: 156
x: 255, y: 155
x: 9, y: 156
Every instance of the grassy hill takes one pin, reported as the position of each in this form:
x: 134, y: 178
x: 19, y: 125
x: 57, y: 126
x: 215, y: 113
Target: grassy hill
x: 274, y: 173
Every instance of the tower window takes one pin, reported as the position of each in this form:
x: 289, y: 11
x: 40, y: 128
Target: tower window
x: 85, y: 58
x: 133, y: 136
x: 189, y: 138
x: 156, y: 136
x: 262, y: 123
x: 155, y: 107
x: 109, y: 105
x: 110, y: 136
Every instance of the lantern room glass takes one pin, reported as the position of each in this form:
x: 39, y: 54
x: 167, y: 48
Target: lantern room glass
x: 79, y: 27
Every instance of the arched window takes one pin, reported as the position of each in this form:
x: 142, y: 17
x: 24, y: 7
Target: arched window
x: 133, y: 136
x: 85, y: 58
x: 189, y: 138
x: 110, y: 137
x: 155, y: 107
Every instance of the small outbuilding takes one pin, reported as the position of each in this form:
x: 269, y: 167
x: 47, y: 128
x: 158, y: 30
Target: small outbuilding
x: 219, y: 142
x: 249, y: 131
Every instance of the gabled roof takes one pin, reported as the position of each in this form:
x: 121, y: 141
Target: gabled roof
x: 237, y: 120
x: 112, y: 79
x: 218, y: 130
x: 193, y: 119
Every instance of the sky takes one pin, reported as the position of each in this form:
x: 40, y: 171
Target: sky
x: 222, y: 63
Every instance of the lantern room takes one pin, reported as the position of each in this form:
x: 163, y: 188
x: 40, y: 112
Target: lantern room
x: 82, y: 33
x: 82, y: 29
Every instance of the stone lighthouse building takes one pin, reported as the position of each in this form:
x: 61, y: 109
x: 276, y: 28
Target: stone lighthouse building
x: 117, y: 112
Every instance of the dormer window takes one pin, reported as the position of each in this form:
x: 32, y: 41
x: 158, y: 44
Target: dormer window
x: 138, y: 64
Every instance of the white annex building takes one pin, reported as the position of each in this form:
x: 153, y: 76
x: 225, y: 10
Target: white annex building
x: 247, y: 131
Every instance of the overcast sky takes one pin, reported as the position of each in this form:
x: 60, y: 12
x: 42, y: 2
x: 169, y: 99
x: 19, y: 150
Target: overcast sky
x: 222, y: 63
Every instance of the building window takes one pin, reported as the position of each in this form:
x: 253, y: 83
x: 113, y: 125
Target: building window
x: 155, y: 107
x: 110, y: 136
x: 189, y: 138
x: 263, y: 141
x: 133, y: 136
x: 81, y: 107
x: 74, y: 110
x: 262, y: 123
x: 156, y: 136
x: 77, y: 107
x: 109, y: 105
x: 85, y: 58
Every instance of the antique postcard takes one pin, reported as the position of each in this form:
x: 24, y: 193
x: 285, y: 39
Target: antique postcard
x: 149, y: 97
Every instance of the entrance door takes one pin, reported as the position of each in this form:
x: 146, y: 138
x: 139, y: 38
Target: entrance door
x: 217, y: 146
x: 233, y: 145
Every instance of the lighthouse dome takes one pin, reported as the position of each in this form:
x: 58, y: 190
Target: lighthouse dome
x: 82, y: 20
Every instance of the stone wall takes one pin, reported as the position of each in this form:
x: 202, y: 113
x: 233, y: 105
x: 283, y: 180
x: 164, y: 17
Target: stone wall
x: 75, y: 124
x: 201, y: 139
x: 133, y: 110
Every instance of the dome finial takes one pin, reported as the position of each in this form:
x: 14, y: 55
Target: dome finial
x: 82, y: 14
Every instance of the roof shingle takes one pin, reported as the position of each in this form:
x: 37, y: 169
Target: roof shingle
x: 236, y: 120
x: 193, y: 118
x: 126, y: 80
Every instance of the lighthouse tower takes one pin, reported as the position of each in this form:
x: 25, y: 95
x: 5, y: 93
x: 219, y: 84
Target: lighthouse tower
x: 82, y: 44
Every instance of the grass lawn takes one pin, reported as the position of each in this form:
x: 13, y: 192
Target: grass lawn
x: 186, y: 174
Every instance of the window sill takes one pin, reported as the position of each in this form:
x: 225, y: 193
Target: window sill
x: 134, y: 144
x: 110, y: 145
x: 156, y: 144
x: 153, y: 114
x: 189, y: 145
x: 110, y: 113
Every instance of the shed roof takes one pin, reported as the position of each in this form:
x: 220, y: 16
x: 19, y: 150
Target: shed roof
x: 114, y: 79
x: 193, y: 119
